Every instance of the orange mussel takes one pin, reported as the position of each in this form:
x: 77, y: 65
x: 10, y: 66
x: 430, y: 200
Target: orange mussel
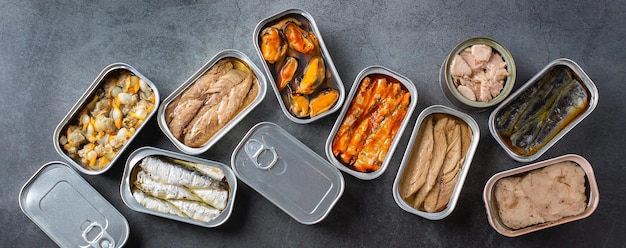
x: 323, y: 101
x: 299, y: 105
x: 273, y: 46
x: 298, y: 39
x: 314, y: 76
x: 287, y: 72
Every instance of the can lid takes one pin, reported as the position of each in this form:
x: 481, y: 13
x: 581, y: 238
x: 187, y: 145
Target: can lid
x: 70, y: 211
x: 287, y: 172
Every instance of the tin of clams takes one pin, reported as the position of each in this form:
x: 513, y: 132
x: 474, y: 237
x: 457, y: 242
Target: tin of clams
x: 108, y: 121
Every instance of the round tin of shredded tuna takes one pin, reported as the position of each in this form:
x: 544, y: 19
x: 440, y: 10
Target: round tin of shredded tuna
x: 449, y: 88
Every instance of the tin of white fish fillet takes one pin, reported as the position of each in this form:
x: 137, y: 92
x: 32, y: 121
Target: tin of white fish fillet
x: 335, y: 80
x: 357, y: 82
x: 585, y: 81
x: 72, y: 115
x: 70, y: 211
x: 437, y: 109
x: 133, y: 162
x: 593, y: 195
x: 225, y: 54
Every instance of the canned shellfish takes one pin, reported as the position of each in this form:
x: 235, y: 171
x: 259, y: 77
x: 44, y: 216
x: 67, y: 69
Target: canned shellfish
x: 298, y: 65
x: 109, y: 115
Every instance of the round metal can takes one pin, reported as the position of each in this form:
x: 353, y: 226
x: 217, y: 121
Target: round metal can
x: 449, y: 88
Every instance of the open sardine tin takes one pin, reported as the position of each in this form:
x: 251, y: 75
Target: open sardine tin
x: 410, y: 150
x: 74, y: 114
x: 587, y: 84
x: 130, y: 175
x: 70, y: 211
x: 591, y: 191
x: 334, y: 81
x: 369, y: 71
x: 242, y: 61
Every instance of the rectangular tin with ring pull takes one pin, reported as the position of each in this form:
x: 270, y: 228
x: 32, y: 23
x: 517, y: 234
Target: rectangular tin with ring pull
x: 70, y: 211
x: 288, y: 173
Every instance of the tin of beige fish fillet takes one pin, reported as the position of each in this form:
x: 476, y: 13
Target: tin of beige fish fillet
x: 369, y: 71
x: 407, y: 169
x: 334, y: 80
x: 592, y: 102
x: 218, y: 217
x: 591, y: 193
x: 73, y: 115
x: 207, y: 120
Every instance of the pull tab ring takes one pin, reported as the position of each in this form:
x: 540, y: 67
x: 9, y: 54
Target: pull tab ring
x: 255, y: 148
x: 101, y: 240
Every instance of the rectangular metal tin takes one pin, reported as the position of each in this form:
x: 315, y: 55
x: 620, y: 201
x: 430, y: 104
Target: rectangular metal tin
x: 82, y: 102
x: 593, y: 102
x: 133, y: 161
x: 63, y: 204
x: 437, y: 109
x: 489, y: 199
x: 335, y: 79
x: 298, y: 180
x: 357, y: 82
x: 228, y: 53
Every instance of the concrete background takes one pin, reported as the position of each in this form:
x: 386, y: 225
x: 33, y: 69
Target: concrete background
x: 50, y: 51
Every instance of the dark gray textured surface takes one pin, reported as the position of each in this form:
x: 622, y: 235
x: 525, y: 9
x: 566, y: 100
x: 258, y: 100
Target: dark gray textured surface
x: 50, y: 51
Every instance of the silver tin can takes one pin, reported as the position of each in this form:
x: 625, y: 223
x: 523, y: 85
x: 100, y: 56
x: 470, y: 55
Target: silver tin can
x: 592, y: 195
x: 270, y: 161
x: 237, y: 57
x: 72, y: 116
x: 70, y: 211
x: 333, y: 79
x: 411, y: 150
x: 578, y: 73
x: 130, y: 175
x: 448, y: 87
x: 369, y: 71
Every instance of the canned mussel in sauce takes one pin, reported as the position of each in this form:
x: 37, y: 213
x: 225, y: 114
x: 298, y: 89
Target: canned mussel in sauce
x: 543, y: 110
x: 211, y: 102
x: 368, y: 130
x: 436, y: 162
x: 106, y: 118
x: 178, y: 187
x: 541, y: 195
x: 298, y: 65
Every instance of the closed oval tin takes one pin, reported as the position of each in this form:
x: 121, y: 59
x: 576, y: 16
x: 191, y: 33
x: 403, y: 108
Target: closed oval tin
x: 70, y: 211
x: 288, y: 173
